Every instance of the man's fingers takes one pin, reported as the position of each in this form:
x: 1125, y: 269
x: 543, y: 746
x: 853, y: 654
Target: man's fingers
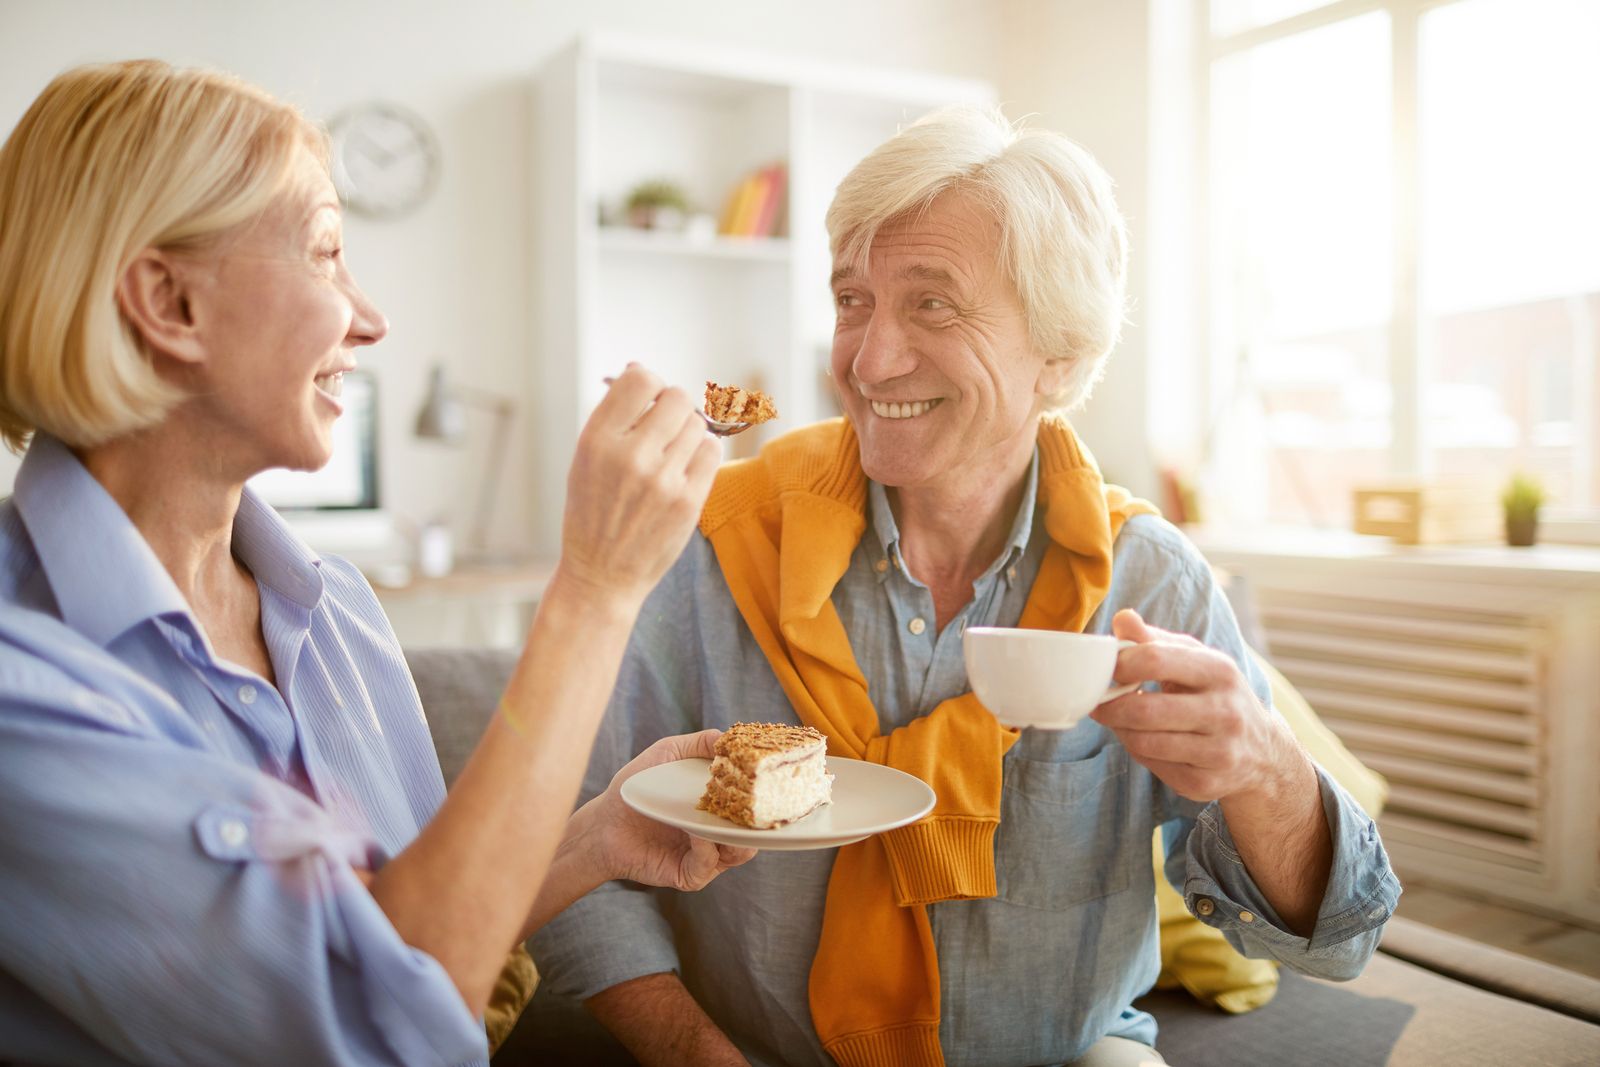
x: 1172, y: 746
x: 1178, y: 712
x: 1129, y: 625
x: 1187, y: 665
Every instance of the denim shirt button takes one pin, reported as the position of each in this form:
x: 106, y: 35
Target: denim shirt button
x: 1246, y: 917
x: 1203, y: 907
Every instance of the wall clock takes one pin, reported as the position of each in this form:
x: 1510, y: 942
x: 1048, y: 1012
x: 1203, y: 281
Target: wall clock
x: 385, y: 159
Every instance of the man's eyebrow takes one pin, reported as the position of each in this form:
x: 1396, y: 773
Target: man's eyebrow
x: 927, y: 274
x: 839, y: 275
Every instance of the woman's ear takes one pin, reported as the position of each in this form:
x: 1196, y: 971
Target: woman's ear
x: 155, y: 295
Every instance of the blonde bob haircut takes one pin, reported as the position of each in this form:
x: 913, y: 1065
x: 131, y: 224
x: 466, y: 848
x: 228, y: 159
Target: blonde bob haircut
x: 108, y: 161
x: 1063, y: 245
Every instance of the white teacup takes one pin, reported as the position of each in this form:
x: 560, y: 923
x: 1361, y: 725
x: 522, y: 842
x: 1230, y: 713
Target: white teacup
x: 1041, y: 678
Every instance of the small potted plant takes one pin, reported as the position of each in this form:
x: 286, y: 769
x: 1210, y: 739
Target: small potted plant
x: 1521, y: 500
x: 657, y: 205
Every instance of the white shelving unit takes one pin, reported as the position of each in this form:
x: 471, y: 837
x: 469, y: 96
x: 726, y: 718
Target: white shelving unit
x: 614, y: 111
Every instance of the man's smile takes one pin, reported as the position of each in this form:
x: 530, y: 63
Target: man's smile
x: 903, y: 409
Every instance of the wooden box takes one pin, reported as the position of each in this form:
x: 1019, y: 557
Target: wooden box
x: 1415, y: 514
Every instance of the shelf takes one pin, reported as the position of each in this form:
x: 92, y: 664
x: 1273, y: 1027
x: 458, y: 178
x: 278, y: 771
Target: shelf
x: 655, y: 242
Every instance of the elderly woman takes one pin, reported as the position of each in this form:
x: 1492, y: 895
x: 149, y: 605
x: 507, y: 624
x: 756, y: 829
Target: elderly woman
x: 226, y: 839
x: 978, y: 276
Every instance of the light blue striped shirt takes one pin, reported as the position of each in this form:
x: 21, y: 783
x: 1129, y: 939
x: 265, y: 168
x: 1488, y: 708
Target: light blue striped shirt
x: 1053, y: 962
x: 177, y: 835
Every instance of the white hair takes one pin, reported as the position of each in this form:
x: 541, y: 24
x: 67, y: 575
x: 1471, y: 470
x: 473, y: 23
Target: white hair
x: 1063, y: 245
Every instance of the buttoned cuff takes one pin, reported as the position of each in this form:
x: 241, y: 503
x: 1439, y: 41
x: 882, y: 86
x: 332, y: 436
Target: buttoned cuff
x: 1360, y: 897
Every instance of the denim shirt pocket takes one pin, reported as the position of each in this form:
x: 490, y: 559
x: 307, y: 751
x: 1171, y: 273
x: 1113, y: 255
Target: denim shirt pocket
x: 1063, y: 838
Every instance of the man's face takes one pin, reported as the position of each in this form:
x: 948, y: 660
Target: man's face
x: 931, y: 354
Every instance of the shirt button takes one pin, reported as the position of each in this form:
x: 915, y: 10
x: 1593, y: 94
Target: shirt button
x: 1203, y: 907
x: 916, y: 626
x: 1011, y: 574
x: 881, y: 566
x: 233, y: 833
x: 1246, y: 917
x: 247, y: 694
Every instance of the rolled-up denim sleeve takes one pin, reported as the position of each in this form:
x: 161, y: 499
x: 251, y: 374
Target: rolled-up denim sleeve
x: 184, y: 909
x: 1361, y: 895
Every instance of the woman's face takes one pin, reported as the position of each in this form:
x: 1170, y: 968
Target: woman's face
x: 279, y: 318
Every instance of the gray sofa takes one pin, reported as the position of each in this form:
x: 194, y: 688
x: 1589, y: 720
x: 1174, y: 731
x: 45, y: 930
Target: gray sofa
x: 1427, y: 998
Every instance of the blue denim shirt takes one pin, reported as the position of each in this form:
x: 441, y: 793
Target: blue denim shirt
x: 1051, y: 964
x: 178, y: 835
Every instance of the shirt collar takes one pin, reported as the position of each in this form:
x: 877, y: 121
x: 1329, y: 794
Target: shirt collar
x: 888, y: 530
x: 275, y: 554
x: 105, y: 577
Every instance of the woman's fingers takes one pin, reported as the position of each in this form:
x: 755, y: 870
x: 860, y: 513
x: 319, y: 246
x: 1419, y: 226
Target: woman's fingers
x: 656, y: 428
x: 627, y: 401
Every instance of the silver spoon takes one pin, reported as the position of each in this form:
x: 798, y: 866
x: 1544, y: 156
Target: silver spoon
x: 717, y: 429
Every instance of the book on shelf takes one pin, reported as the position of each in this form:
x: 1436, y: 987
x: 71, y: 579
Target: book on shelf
x: 755, y: 206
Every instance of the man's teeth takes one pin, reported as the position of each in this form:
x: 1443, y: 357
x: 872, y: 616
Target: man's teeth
x: 902, y: 410
x: 332, y: 384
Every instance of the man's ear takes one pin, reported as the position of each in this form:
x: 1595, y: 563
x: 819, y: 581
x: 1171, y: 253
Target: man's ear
x: 1053, y: 375
x: 154, y: 294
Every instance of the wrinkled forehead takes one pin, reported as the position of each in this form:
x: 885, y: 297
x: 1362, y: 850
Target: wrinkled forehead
x: 955, y: 234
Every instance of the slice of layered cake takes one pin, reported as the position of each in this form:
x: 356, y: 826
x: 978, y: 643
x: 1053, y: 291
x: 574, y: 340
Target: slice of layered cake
x: 767, y: 775
x: 730, y: 403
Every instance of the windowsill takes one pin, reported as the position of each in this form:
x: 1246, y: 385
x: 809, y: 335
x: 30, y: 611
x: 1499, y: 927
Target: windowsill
x: 1323, y: 546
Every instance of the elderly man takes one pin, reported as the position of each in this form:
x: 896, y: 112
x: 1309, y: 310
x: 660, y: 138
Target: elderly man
x: 979, y: 284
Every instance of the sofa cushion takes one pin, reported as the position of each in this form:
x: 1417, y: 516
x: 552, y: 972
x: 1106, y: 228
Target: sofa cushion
x: 1494, y: 969
x: 1395, y: 1014
x: 460, y: 690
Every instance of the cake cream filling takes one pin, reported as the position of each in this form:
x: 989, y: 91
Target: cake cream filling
x: 786, y: 786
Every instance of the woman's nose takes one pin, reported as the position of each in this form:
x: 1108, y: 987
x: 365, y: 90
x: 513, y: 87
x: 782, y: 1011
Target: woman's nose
x: 367, y: 325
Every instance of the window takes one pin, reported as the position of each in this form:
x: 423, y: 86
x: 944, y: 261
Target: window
x: 1404, y: 249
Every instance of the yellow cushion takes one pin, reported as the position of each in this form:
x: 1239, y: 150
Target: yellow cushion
x: 512, y: 991
x: 1199, y: 958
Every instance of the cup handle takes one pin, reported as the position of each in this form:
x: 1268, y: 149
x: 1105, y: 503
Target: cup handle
x: 1119, y: 690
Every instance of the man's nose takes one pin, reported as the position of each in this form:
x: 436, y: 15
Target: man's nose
x: 886, y: 351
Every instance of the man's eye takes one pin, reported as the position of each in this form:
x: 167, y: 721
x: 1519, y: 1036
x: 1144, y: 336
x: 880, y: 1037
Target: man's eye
x: 933, y: 303
x: 846, y: 300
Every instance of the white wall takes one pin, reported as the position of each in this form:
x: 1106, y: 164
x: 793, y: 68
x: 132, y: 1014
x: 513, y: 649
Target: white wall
x: 1083, y: 68
x: 454, y: 277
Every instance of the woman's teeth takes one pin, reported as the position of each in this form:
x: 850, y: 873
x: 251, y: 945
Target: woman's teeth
x: 902, y: 411
x: 331, y: 384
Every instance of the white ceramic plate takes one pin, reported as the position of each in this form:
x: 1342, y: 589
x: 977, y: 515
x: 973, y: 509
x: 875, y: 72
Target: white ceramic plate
x: 867, y: 799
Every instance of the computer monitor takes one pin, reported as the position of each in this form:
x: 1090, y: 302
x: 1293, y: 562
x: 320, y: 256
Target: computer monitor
x: 350, y: 480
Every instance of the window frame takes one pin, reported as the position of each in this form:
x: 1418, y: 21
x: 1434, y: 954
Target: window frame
x: 1408, y: 455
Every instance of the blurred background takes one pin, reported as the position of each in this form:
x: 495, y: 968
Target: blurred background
x: 1366, y: 235
x: 1361, y: 351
